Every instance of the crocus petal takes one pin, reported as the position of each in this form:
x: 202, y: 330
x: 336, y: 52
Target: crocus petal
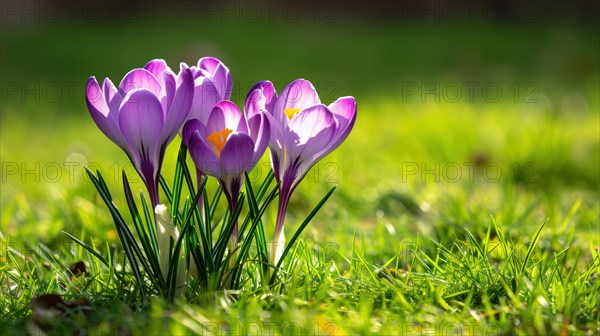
x: 299, y: 94
x: 344, y: 110
x: 226, y: 115
x: 111, y: 94
x: 315, y: 145
x: 307, y: 134
x: 209, y: 64
x: 309, y: 131
x: 140, y: 79
x: 204, y: 157
x: 168, y: 91
x: 237, y: 156
x: 276, y: 162
x: 189, y: 128
x: 206, y: 96
x: 94, y: 96
x: 166, y: 78
x: 157, y: 67
x: 141, y: 122
x: 180, y: 107
x: 219, y: 75
x: 311, y: 121
x: 260, y: 98
x: 223, y: 81
x: 101, y: 114
x: 260, y: 131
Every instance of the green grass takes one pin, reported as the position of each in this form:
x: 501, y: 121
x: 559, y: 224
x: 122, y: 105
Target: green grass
x: 394, y: 251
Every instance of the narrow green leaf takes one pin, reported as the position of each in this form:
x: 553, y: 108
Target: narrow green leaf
x: 265, y: 185
x: 213, y: 206
x: 261, y: 244
x: 165, y: 186
x: 119, y: 225
x: 103, y: 184
x: 88, y: 248
x: 299, y: 231
x: 186, y: 226
x: 223, y: 239
x: 534, y: 241
x: 177, y: 183
x: 150, y: 226
x: 150, y: 252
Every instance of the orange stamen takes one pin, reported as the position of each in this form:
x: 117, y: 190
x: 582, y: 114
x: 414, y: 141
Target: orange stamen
x: 219, y: 138
x: 291, y: 112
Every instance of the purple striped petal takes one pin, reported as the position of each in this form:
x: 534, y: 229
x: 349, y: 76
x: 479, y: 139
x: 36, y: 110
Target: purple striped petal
x: 209, y: 64
x: 206, y: 96
x: 139, y: 79
x: 276, y: 158
x: 226, y: 115
x: 189, y: 128
x: 180, y: 108
x: 166, y: 79
x: 141, y: 122
x: 204, y: 157
x: 219, y: 75
x: 299, y: 94
x: 168, y: 91
x: 104, y: 119
x: 111, y: 94
x: 94, y: 96
x: 260, y: 98
x: 307, y: 124
x: 260, y: 131
x: 157, y: 67
x: 309, y: 133
x: 344, y: 110
x: 237, y: 156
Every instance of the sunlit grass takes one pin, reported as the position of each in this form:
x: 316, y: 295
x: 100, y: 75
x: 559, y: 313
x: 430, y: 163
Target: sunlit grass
x: 433, y: 228
x: 395, y: 250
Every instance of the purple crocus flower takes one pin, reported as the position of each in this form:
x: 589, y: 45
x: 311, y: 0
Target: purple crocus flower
x: 212, y: 84
x: 143, y: 115
x: 303, y: 131
x: 226, y: 146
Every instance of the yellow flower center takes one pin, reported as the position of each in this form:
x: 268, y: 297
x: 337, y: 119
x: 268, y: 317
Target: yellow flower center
x: 291, y: 112
x: 218, y: 139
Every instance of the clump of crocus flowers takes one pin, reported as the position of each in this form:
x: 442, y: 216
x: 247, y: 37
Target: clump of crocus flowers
x: 177, y: 248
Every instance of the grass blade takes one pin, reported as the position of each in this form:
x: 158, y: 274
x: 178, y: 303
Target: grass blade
x: 532, y: 245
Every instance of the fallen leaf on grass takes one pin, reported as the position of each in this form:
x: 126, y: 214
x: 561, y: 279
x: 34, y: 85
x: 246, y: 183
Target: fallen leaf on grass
x: 47, y: 309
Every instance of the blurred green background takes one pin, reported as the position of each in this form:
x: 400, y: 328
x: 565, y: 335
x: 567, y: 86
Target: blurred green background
x: 464, y: 109
x: 469, y: 113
